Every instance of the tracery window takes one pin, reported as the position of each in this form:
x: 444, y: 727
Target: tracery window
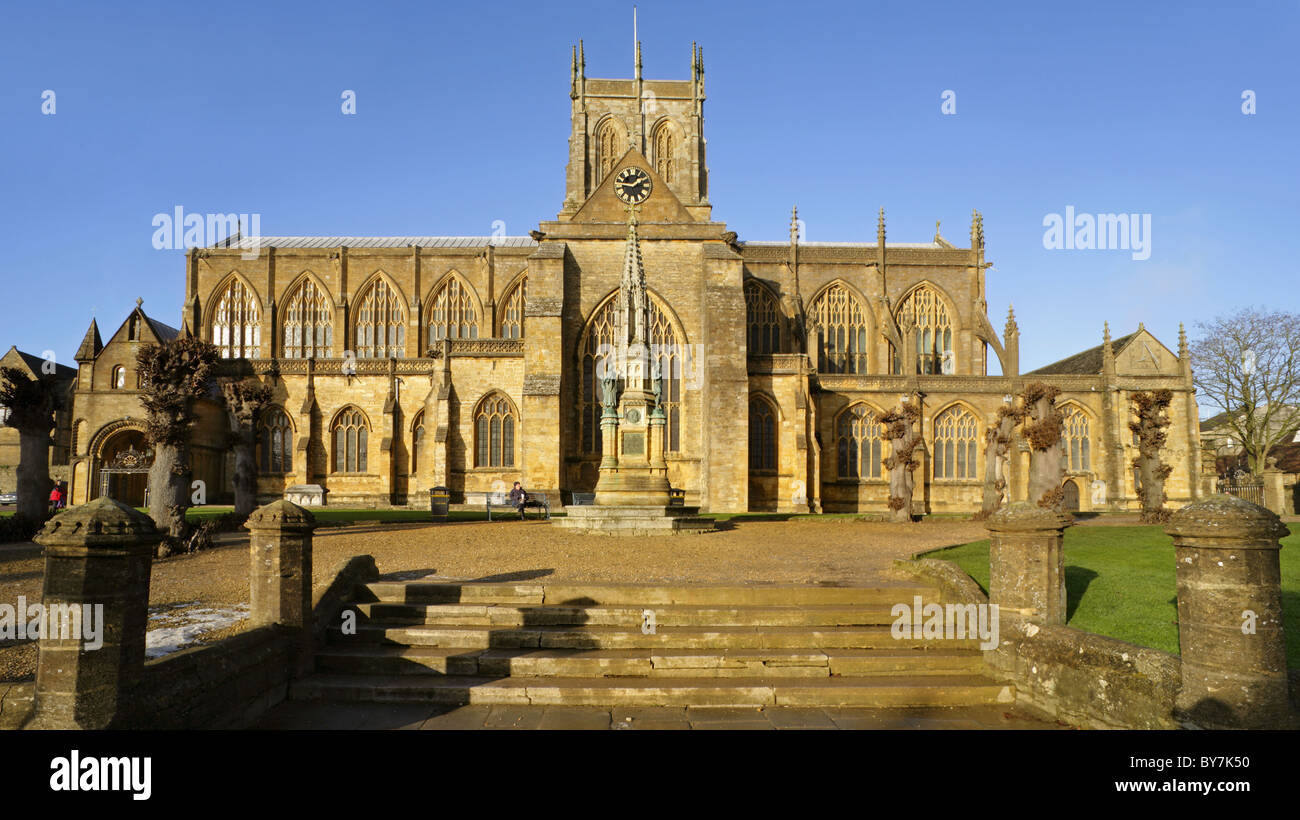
x: 512, y: 317
x: 933, y: 332
x: 236, y: 323
x: 955, y: 434
x: 275, y: 436
x: 381, y: 323
x: 763, y: 319
x: 308, y: 323
x: 858, y: 442
x: 607, y: 149
x: 762, y: 434
x: 840, y: 324
x: 494, y: 432
x: 452, y: 314
x: 665, y: 151
x: 1076, y: 439
x: 351, y: 436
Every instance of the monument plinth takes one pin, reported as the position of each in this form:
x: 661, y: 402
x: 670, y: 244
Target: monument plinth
x: 632, y: 492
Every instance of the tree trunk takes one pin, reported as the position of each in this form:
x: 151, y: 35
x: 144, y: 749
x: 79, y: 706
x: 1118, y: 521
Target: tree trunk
x: 903, y: 441
x: 245, y: 478
x: 997, y: 473
x: 1046, y: 447
x: 33, y: 474
x: 169, y: 489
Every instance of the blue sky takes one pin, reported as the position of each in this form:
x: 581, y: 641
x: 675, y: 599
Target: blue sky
x: 463, y: 115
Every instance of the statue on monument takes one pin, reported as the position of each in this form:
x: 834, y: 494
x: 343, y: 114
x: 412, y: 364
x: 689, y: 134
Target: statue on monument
x: 609, y: 393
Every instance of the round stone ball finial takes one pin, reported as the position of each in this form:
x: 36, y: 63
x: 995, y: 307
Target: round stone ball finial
x: 1226, y: 516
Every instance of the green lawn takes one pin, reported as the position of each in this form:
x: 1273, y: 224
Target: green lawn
x: 1120, y: 582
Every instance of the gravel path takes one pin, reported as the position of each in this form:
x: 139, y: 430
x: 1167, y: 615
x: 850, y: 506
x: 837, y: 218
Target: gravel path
x: 803, y: 550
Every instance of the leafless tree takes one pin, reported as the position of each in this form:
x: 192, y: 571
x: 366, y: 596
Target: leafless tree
x: 1248, y: 364
x: 1046, y: 446
x: 245, y: 400
x: 1150, y: 428
x: 900, y: 431
x: 172, y: 377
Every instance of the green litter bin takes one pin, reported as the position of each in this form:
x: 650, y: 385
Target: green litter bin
x: 439, y: 501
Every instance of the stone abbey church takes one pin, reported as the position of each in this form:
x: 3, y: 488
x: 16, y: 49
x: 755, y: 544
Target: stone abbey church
x: 403, y: 363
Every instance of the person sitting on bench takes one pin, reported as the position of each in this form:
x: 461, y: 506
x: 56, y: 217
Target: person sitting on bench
x: 519, y: 498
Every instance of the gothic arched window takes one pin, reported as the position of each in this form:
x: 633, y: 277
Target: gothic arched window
x: 858, y: 442
x: 308, y: 323
x: 119, y: 378
x: 670, y: 357
x: 955, y: 433
x: 275, y: 435
x: 608, y: 140
x: 417, y: 441
x: 933, y: 332
x: 840, y: 323
x: 665, y: 151
x: 512, y: 315
x: 351, y: 436
x: 1076, y: 439
x: 763, y: 317
x: 762, y: 434
x: 381, y: 323
x: 452, y: 312
x: 494, y: 432
x: 236, y: 322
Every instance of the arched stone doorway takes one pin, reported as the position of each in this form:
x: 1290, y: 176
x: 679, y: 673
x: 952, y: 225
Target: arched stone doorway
x: 1071, y: 502
x: 122, y: 467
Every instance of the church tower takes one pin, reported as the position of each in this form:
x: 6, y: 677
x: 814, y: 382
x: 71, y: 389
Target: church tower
x: 663, y: 120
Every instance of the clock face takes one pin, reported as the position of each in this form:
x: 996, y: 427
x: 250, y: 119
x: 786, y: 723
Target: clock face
x: 632, y: 185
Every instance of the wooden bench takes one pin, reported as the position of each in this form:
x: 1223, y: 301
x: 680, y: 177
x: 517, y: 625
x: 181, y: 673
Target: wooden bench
x: 536, y: 501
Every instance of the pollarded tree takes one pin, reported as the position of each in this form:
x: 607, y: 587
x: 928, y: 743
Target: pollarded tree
x: 997, y: 449
x: 900, y: 432
x: 29, y: 409
x: 245, y: 400
x: 1152, y: 421
x: 1044, y: 431
x: 172, y: 376
x: 1248, y: 365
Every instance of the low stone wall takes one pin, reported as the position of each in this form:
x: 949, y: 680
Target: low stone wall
x: 225, y: 685
x: 1085, y: 679
x: 1077, y: 677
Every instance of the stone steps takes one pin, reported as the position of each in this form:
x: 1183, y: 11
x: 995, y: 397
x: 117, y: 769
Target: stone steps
x: 542, y: 644
x: 583, y: 637
x: 424, y: 660
x: 629, y: 617
x: 641, y: 595
x: 896, y: 691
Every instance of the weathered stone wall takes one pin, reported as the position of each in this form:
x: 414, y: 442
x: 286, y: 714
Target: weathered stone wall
x: 1085, y: 679
x: 226, y: 685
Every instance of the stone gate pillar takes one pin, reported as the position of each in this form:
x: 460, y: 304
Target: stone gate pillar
x: 98, y: 559
x: 1230, y: 614
x: 280, y: 571
x: 1026, y: 562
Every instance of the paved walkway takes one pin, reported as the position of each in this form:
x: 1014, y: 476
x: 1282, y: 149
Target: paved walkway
x: 295, y: 715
